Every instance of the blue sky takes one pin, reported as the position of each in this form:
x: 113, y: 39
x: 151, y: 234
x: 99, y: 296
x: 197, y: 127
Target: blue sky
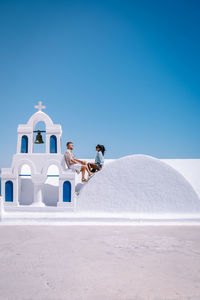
x: 122, y: 73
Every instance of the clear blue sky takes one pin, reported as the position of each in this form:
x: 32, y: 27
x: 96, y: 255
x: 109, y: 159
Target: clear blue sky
x: 122, y: 73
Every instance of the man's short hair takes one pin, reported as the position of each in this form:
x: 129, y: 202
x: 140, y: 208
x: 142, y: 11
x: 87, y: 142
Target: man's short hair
x: 68, y: 143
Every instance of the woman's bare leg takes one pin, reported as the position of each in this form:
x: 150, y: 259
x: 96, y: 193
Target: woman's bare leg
x: 89, y: 166
x: 83, y: 172
x: 93, y: 166
x: 88, y: 170
x: 83, y: 169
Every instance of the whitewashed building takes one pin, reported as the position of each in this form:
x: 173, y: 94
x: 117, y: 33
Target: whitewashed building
x: 26, y: 182
x: 137, y: 188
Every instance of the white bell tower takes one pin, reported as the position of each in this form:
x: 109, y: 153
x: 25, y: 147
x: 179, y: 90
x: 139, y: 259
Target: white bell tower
x: 26, y: 133
x: 38, y: 163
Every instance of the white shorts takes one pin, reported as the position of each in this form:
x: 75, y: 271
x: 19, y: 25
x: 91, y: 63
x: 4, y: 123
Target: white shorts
x: 76, y: 167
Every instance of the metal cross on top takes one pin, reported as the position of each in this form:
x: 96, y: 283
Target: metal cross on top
x: 40, y: 106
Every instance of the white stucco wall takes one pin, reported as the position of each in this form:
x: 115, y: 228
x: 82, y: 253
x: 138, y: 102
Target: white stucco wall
x: 189, y: 168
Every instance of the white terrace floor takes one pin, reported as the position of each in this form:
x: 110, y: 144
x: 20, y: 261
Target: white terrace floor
x: 99, y: 263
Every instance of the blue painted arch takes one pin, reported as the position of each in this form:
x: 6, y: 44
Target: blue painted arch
x: 9, y: 191
x: 67, y: 191
x: 53, y: 144
x: 24, y: 144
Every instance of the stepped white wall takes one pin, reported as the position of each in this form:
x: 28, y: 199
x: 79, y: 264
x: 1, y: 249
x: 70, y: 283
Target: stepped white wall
x: 189, y: 168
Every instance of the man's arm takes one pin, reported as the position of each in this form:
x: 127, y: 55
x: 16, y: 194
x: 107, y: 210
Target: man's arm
x: 79, y: 161
x: 74, y: 160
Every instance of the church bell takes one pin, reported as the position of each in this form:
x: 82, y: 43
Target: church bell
x: 39, y: 139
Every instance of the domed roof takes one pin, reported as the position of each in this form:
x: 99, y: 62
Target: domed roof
x: 138, y: 184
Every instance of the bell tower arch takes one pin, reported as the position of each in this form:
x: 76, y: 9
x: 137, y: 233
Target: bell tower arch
x: 53, y: 133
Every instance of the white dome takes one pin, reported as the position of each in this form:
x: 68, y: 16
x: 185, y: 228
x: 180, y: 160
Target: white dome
x: 138, y: 184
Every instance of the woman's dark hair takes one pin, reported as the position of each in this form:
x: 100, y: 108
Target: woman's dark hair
x: 102, y: 148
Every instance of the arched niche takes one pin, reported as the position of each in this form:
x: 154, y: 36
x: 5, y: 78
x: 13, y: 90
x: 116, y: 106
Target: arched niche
x: 18, y: 167
x: 24, y: 144
x: 9, y: 191
x: 52, y: 167
x: 51, y: 186
x: 26, y: 187
x: 67, y: 191
x: 53, y: 144
x: 25, y: 170
x: 39, y: 148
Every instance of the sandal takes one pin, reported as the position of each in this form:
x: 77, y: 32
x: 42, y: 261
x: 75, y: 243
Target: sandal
x: 91, y: 175
x: 84, y: 180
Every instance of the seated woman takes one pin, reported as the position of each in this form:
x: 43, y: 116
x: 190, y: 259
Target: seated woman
x: 99, y: 159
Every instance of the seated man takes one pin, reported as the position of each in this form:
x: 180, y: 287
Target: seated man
x: 75, y: 164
